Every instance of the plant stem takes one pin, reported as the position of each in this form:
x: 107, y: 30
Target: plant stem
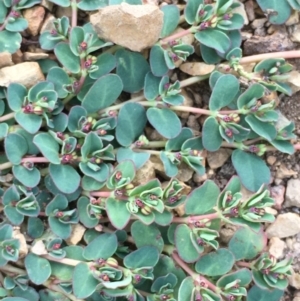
x: 192, y: 219
x: 274, y: 55
x: 176, y: 36
x: 244, y: 264
x: 101, y: 194
x: 27, y: 159
x: 149, y: 151
x: 56, y: 288
x: 193, y: 274
x: 184, y: 83
x: 74, y: 13
x: 11, y: 269
x: 66, y: 261
x: 7, y: 116
x: 68, y: 98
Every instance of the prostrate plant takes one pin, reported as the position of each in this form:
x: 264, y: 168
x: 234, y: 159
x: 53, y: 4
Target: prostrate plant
x: 74, y: 151
x: 12, y: 23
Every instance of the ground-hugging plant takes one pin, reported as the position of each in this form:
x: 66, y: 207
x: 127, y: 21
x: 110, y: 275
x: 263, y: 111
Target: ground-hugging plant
x: 74, y: 151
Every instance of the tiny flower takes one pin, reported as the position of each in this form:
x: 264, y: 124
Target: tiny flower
x: 139, y: 203
x: 226, y: 17
x: 137, y: 278
x: 15, y: 14
x: 229, y: 133
x: 53, y: 32
x: 118, y: 175
x: 56, y: 246
x: 101, y: 132
x: 59, y: 214
x: 83, y: 46
x: 227, y: 118
x: 167, y: 86
x: 60, y: 135
x: 28, y: 109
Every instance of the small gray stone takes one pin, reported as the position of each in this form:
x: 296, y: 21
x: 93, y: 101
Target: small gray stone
x: 292, y: 196
x: 285, y: 225
x: 218, y: 158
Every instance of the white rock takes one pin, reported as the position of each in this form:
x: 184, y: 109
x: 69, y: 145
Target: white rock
x: 133, y: 26
x: 285, y: 225
x: 292, y: 196
x: 76, y: 235
x: 294, y: 280
x: 5, y: 59
x: 218, y: 158
x: 276, y: 247
x: 27, y: 74
x: 23, y: 249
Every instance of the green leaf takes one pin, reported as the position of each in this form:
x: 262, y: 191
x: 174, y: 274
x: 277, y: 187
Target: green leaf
x: 243, y: 275
x: 35, y: 227
x: 37, y: 268
x: 131, y: 123
x: 103, y: 93
x: 132, y: 68
x: 177, y: 142
x: 30, y: 122
x: 84, y: 283
x: 211, y: 137
x: 191, y: 10
x: 92, y: 4
x: 280, y: 10
x: 15, y: 148
x: 59, y: 78
x: 283, y: 146
x: 48, y: 147
x: 139, y: 159
x: 184, y: 244
x: 145, y: 235
x: 246, y: 243
x: 170, y: 168
x: 202, y: 199
x: 187, y: 286
x: 106, y: 62
x: 159, y: 118
x: 265, y: 129
x: 19, y: 24
x: 254, y: 91
x: 214, y: 39
x: 215, y: 263
x: 251, y: 169
x: 67, y: 58
x: 28, y: 177
x: 224, y: 92
x: 10, y: 41
x: 117, y: 213
x: 65, y: 177
x: 104, y: 246
x: 171, y: 19
x: 146, y: 256
x: 157, y: 63
x: 16, y: 94
x: 258, y: 294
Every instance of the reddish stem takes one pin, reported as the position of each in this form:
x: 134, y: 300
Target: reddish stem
x: 244, y: 264
x: 74, y: 13
x: 7, y: 116
x: 274, y: 55
x: 194, y: 275
x: 176, y: 36
x: 103, y: 194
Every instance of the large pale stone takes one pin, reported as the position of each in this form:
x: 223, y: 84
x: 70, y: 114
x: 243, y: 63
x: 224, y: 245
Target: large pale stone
x: 27, y: 74
x: 132, y: 26
x: 285, y: 225
x: 218, y: 158
x: 5, y: 59
x: 292, y: 197
x: 35, y: 17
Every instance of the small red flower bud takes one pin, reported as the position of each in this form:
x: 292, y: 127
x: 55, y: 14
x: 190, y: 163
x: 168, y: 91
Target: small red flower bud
x: 153, y: 197
x: 28, y: 109
x: 15, y: 14
x: 178, y: 156
x: 166, y: 86
x: 83, y: 46
x: 229, y: 133
x: 60, y: 135
x: 56, y: 246
x: 139, y: 203
x: 200, y: 242
x: 101, y: 132
x: 137, y: 278
x: 59, y: 214
x: 226, y: 17
x: 118, y: 175
x: 173, y: 199
x: 66, y: 159
x: 227, y: 118
x: 253, y: 149
x: 104, y: 277
x: 234, y: 211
